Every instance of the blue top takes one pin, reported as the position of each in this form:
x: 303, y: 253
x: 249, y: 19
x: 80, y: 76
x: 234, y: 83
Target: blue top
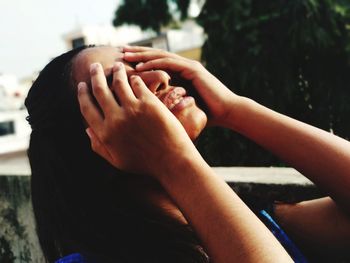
x: 75, y: 258
x: 282, y: 237
x: 271, y: 224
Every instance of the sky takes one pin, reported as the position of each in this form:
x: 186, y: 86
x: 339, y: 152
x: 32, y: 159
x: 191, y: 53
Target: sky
x: 31, y: 31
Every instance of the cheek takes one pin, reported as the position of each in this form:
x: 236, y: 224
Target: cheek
x: 193, y: 120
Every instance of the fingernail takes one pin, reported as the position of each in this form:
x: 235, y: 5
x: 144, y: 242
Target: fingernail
x: 139, y: 65
x: 134, y: 77
x: 117, y: 66
x: 88, y: 132
x: 94, y: 67
x: 128, y: 54
x: 81, y: 87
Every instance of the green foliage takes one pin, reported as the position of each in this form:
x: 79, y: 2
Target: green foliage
x: 151, y: 14
x: 292, y: 56
x: 6, y: 255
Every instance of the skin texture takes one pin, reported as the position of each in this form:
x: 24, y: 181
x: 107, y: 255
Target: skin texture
x: 191, y: 117
x: 322, y: 157
x: 318, y: 225
x: 166, y: 153
x: 319, y: 155
x: 314, y: 152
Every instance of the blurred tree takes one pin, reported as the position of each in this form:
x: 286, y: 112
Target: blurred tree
x: 291, y: 56
x: 151, y: 14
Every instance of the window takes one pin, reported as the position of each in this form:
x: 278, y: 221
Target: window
x: 7, y: 128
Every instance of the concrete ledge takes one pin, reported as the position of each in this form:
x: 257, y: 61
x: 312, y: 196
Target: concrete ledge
x: 259, y: 187
x: 18, y: 164
x: 262, y: 175
x: 15, y: 163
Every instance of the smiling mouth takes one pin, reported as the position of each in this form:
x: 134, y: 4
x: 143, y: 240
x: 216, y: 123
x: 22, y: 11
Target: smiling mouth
x: 174, y: 97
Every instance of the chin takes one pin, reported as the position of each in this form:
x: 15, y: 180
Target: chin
x: 193, y: 120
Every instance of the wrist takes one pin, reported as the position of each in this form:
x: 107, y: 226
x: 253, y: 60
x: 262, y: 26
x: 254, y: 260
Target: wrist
x: 181, y: 168
x: 237, y: 107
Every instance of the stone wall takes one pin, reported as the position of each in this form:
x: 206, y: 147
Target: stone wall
x: 258, y: 187
x: 18, y: 240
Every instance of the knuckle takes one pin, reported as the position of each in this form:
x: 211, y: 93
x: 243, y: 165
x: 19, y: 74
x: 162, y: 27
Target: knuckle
x: 98, y: 89
x: 133, y: 112
x: 161, y: 53
x: 137, y: 84
x: 84, y: 109
x: 162, y: 75
x: 149, y: 65
x: 140, y: 56
x: 118, y: 82
x: 136, y: 81
x: 196, y: 63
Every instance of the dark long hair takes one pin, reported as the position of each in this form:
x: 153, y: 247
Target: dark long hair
x: 80, y: 201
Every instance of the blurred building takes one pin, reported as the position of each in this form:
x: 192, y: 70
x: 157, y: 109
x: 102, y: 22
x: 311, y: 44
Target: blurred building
x: 9, y: 92
x: 14, y: 130
x: 103, y: 35
x: 186, y: 41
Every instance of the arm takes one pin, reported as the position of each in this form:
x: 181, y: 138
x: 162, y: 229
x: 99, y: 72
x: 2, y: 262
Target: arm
x: 228, y: 229
x: 319, y: 155
x: 318, y: 225
x: 225, y: 225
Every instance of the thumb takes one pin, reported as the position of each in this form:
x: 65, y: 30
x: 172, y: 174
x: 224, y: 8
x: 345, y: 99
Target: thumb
x: 97, y: 146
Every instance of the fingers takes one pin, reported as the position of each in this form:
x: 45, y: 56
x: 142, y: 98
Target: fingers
x: 168, y: 64
x: 139, y: 87
x: 101, y: 90
x: 121, y: 85
x: 155, y: 80
x: 87, y: 107
x: 127, y: 48
x: 148, y: 55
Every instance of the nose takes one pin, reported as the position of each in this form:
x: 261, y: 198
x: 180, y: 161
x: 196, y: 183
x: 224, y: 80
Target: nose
x: 156, y: 80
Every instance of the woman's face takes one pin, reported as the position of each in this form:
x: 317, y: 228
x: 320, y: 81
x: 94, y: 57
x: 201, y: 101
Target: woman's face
x: 174, y: 98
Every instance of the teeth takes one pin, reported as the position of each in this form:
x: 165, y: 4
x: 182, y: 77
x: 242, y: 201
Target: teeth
x: 174, y: 97
x: 174, y: 103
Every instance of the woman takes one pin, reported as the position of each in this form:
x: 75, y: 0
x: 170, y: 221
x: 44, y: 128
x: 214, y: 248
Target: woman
x: 82, y: 203
x: 226, y: 227
x: 321, y: 156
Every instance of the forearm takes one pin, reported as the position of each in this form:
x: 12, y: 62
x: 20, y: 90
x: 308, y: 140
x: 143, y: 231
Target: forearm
x: 228, y: 229
x: 319, y: 155
x: 317, y: 225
